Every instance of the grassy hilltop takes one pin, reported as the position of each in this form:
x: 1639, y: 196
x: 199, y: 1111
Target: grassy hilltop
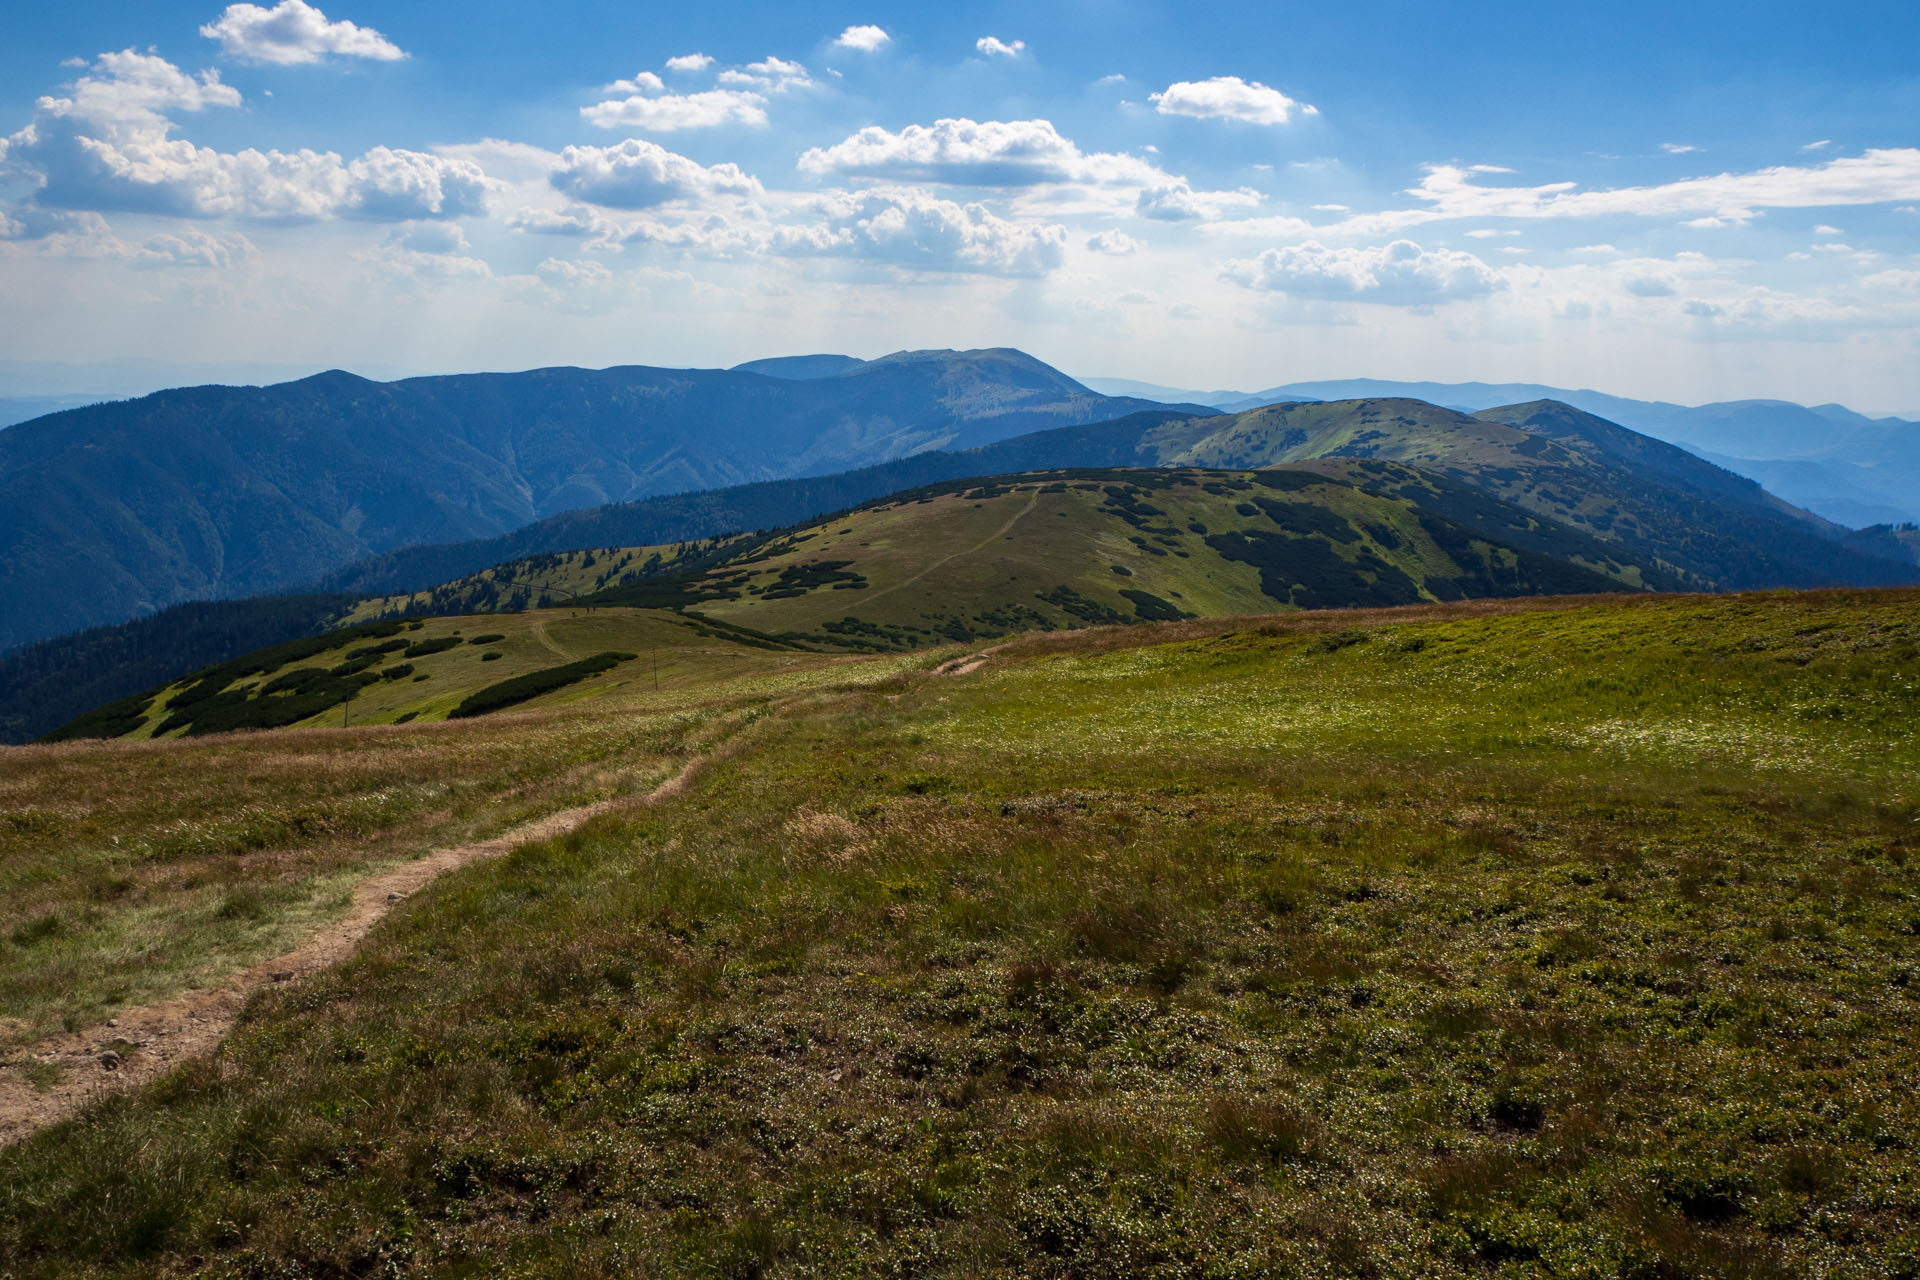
x: 1516, y: 938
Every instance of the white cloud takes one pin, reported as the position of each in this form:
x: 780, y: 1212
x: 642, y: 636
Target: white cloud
x: 386, y: 183
x: 1176, y: 201
x: 637, y: 174
x: 108, y: 146
x: 1905, y: 281
x: 993, y: 153
x: 1678, y: 148
x: 671, y: 112
x: 1701, y: 310
x: 1821, y: 145
x: 994, y: 47
x: 1228, y: 98
x: 391, y: 263
x: 1880, y: 176
x: 687, y: 64
x: 1400, y: 273
x: 294, y: 32
x: 1274, y: 227
x: 917, y: 231
x: 866, y: 39
x: 129, y: 94
x: 197, y: 249
x: 425, y: 252
x: 575, y: 220
x: 1824, y: 230
x: 646, y: 104
x: 1117, y: 244
x: 642, y: 82
x: 562, y: 274
x: 769, y: 75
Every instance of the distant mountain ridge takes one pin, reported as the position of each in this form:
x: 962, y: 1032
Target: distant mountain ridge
x: 1849, y: 467
x: 114, y: 510
x: 1543, y: 478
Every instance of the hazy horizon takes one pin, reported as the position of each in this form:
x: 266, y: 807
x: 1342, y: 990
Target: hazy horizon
x: 1685, y: 206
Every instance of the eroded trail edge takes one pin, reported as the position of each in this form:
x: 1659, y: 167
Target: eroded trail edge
x: 142, y: 1044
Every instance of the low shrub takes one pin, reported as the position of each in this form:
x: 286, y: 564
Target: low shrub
x: 523, y: 688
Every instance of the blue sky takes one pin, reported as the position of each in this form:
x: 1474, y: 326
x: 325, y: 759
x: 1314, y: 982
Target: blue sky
x: 1718, y: 202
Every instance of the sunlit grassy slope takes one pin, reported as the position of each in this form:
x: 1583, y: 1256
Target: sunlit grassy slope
x: 956, y: 562
x: 1496, y: 939
x: 975, y: 553
x: 130, y: 870
x: 431, y: 666
x: 1653, y: 503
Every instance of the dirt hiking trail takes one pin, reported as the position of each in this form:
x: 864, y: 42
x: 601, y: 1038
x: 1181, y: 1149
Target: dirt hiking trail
x: 143, y: 1044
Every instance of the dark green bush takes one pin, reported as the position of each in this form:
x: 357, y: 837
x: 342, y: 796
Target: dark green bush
x: 522, y: 688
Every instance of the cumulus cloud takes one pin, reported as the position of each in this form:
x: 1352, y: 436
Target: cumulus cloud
x: 961, y: 152
x: 1400, y: 273
x: 1228, y: 98
x: 637, y: 174
x: 1115, y: 243
x: 917, y: 231
x: 109, y: 145
x: 994, y: 47
x: 769, y: 75
x: 294, y: 32
x: 865, y: 39
x: 390, y: 184
x: 668, y: 113
x: 642, y: 82
x: 129, y: 93
x: 644, y: 103
x: 1176, y: 201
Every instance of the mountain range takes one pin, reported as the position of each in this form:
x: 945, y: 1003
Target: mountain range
x: 206, y: 492
x: 961, y: 561
x: 1540, y: 479
x: 1851, y: 468
x: 348, y: 491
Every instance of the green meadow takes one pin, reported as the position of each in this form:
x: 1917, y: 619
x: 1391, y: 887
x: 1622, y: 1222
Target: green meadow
x: 1565, y: 938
